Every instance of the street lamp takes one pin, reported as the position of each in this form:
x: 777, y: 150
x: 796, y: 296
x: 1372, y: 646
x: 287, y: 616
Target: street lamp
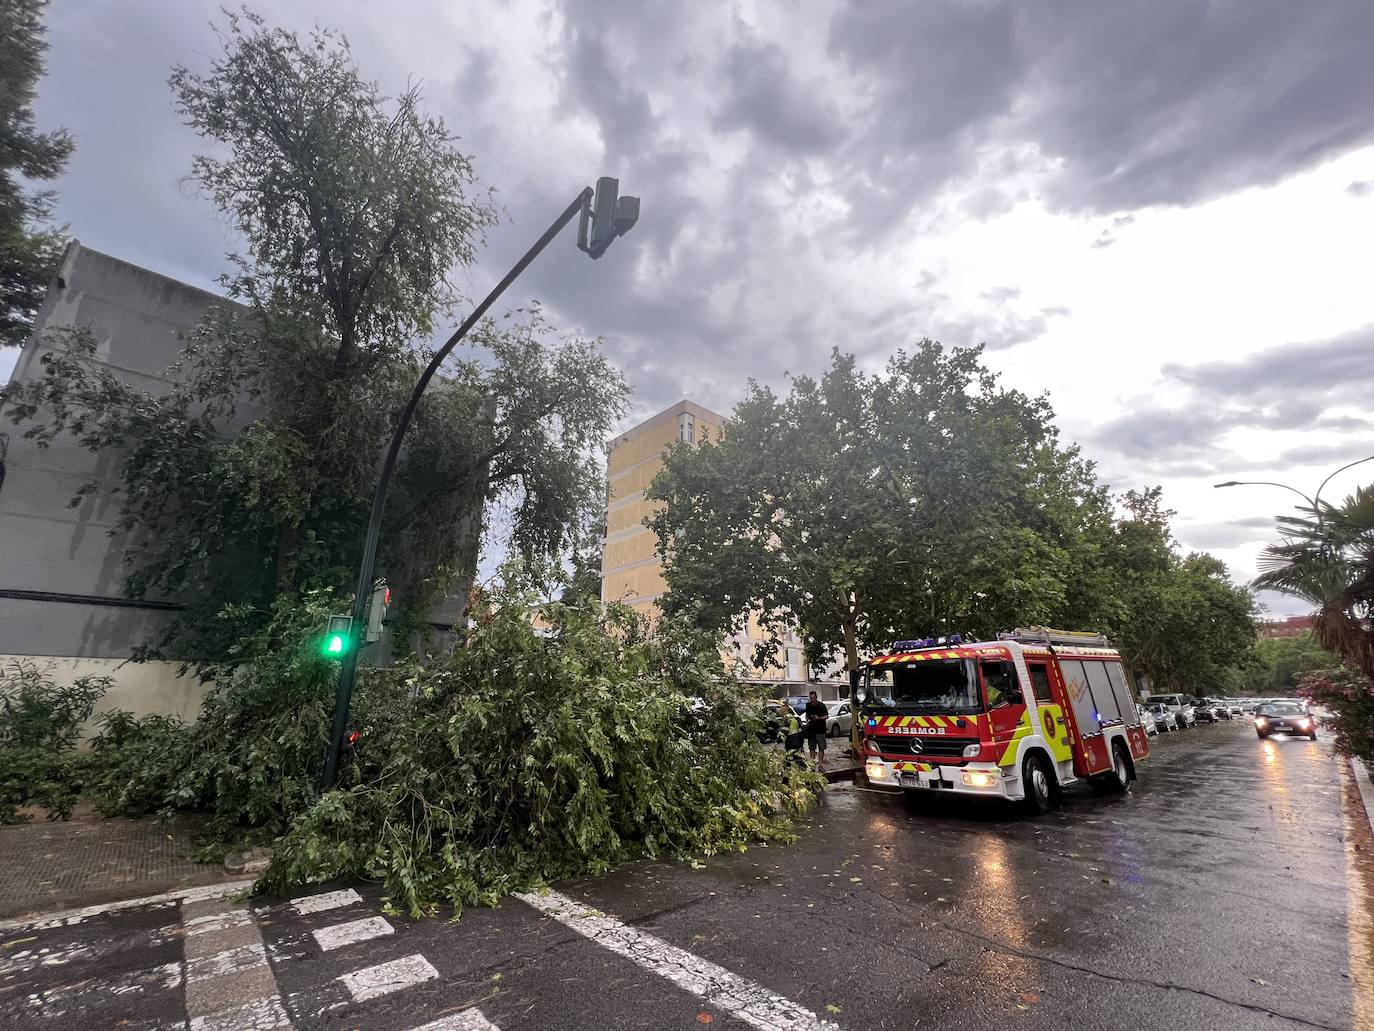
x: 612, y: 216
x: 1314, y: 502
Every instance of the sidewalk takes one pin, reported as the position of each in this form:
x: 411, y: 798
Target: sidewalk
x: 90, y: 859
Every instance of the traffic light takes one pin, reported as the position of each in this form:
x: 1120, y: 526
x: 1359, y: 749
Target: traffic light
x: 337, y: 637
x: 376, y: 612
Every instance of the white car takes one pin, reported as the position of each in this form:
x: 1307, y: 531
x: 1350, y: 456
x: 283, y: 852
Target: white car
x: 1147, y: 720
x: 840, y: 720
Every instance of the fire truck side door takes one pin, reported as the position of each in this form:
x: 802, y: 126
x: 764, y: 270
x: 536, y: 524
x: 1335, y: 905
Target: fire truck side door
x: 1050, y: 713
x: 1006, y: 705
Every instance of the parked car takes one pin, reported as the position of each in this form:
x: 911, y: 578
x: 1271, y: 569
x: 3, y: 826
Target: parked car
x: 1205, y: 712
x: 1147, y: 720
x: 1284, y: 718
x: 797, y: 702
x: 1179, y: 705
x: 1164, y: 718
x: 1235, y: 710
x: 840, y: 720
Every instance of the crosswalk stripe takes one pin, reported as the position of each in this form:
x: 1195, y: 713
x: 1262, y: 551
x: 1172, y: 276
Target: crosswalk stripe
x: 326, y: 900
x: 737, y: 996
x: 468, y: 1020
x: 258, y: 1015
x: 384, y: 978
x: 339, y: 935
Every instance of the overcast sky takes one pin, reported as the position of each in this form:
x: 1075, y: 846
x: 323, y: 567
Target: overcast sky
x: 1160, y: 213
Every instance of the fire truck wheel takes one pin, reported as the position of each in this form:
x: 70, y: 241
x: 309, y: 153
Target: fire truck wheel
x: 1039, y: 784
x: 1119, y: 780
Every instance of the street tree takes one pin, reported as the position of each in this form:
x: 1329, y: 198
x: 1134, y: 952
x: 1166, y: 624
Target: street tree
x: 30, y: 245
x: 251, y: 478
x: 1326, y: 558
x: 927, y: 498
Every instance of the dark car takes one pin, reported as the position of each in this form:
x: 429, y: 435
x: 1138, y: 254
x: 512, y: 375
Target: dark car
x: 798, y: 703
x: 1285, y: 718
x: 1203, y: 712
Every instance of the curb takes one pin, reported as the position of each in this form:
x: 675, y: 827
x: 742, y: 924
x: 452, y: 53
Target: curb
x: 75, y: 916
x: 1365, y: 788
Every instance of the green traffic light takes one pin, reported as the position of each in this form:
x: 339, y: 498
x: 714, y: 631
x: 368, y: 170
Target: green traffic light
x: 335, y: 644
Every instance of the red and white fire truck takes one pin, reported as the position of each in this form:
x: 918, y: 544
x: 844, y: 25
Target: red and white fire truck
x: 1017, y: 718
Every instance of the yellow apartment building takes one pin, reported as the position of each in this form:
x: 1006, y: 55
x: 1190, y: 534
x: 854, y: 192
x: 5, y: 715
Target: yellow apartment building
x: 630, y: 568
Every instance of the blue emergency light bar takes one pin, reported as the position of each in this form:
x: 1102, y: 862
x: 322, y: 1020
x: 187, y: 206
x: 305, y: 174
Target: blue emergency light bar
x: 927, y: 642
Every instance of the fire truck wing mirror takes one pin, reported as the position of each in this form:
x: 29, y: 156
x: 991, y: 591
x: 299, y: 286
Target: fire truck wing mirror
x: 861, y: 695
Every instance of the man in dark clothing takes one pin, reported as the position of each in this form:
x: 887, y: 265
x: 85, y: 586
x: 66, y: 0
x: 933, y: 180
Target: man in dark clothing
x: 816, y: 716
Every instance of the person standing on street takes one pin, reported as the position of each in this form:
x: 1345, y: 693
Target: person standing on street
x: 816, y: 715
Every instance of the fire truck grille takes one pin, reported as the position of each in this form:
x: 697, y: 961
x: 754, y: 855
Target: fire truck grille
x: 935, y: 747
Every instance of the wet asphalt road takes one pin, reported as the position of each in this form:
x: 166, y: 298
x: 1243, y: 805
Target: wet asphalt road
x: 1215, y: 895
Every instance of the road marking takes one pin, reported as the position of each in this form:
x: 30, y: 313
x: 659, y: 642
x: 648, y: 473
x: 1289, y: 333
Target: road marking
x: 229, y: 961
x: 328, y: 900
x: 339, y: 935
x: 258, y: 1015
x: 468, y: 1020
x: 53, y: 1002
x: 229, y: 983
x: 217, y: 922
x: 75, y: 916
x: 384, y: 978
x: 737, y: 996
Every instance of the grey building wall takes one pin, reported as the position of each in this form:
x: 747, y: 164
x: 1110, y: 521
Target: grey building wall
x: 61, y: 573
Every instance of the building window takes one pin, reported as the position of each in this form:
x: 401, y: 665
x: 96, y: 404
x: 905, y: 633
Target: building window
x: 686, y: 428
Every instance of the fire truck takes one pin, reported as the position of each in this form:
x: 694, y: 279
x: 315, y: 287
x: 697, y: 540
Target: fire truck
x: 1017, y: 718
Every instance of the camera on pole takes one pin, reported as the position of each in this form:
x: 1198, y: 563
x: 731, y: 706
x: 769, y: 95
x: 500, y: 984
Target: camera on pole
x: 610, y: 218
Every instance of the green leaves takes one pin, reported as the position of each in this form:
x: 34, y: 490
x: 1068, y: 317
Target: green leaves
x: 527, y: 757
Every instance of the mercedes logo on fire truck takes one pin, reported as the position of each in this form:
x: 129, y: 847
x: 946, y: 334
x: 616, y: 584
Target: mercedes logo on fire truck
x: 916, y: 745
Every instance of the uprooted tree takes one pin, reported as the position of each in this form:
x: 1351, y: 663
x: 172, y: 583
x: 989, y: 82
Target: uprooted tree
x: 250, y: 479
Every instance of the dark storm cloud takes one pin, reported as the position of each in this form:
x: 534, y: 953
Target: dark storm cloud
x: 1317, y: 373
x: 1169, y: 102
x: 762, y: 95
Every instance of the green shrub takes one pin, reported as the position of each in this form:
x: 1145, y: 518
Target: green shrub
x: 40, y: 724
x: 529, y: 756
x: 1348, y: 695
x: 136, y: 763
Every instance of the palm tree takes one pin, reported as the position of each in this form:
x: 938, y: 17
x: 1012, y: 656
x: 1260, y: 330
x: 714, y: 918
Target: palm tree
x: 1326, y: 557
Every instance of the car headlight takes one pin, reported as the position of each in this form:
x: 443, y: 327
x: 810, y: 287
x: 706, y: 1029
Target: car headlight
x: 971, y: 751
x: 875, y: 769
x: 1261, y: 721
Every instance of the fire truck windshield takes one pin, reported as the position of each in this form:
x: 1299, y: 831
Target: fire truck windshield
x: 941, y: 686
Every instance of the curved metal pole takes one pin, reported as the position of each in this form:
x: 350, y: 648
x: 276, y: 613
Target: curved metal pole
x: 1342, y: 469
x: 348, y: 665
x: 1269, y: 483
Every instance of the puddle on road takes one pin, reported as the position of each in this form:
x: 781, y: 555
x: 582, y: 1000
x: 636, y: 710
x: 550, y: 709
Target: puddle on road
x: 1359, y: 850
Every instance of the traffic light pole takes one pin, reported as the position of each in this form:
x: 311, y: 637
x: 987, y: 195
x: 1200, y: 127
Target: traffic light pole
x: 348, y: 665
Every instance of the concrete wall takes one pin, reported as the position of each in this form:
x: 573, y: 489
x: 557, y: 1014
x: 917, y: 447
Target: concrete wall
x: 140, y: 687
x: 48, y: 549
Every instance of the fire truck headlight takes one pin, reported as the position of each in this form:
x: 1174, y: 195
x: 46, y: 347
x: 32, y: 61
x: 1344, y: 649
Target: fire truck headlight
x: 979, y: 778
x: 971, y: 751
x: 876, y: 770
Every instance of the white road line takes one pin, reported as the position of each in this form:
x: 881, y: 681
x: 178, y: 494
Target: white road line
x: 75, y: 916
x: 216, y: 922
x: 230, y: 961
x: 53, y: 1002
x: 258, y: 1015
x: 327, y: 900
x: 468, y: 1020
x: 370, y: 982
x: 737, y: 996
x: 339, y: 935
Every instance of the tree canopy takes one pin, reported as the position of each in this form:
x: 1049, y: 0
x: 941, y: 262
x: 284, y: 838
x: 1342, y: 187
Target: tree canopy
x: 30, y: 245
x: 927, y: 499
x: 252, y: 476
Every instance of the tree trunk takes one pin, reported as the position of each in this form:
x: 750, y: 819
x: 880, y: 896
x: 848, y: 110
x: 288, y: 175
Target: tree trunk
x: 849, y: 622
x: 288, y: 547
